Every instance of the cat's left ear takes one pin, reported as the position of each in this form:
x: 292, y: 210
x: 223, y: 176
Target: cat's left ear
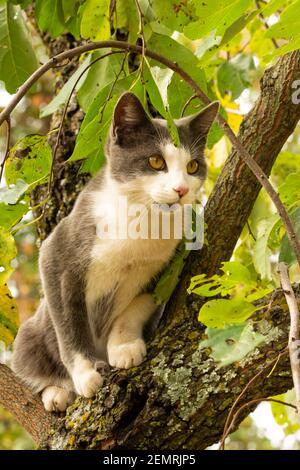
x: 199, y: 124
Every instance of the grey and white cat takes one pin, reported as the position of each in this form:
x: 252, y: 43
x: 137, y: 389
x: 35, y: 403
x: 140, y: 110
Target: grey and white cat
x: 95, y: 301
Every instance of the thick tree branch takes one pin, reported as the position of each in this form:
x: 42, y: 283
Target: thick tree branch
x: 180, y: 397
x: 26, y: 407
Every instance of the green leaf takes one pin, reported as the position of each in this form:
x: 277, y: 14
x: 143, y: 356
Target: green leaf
x: 235, y: 75
x: 237, y: 272
x: 175, y: 14
x: 157, y: 101
x: 221, y: 312
x: 178, y: 94
x: 170, y: 277
x: 99, y: 75
x: 179, y: 54
x: 61, y: 98
x: 93, y: 132
x: 29, y: 160
x: 291, y: 46
x: 288, y: 25
x: 9, y: 319
x: 126, y: 17
x: 232, y: 343
x: 10, y: 215
x: 284, y: 415
x: 272, y: 6
x: 287, y: 254
x: 238, y: 25
x: 289, y: 190
x: 216, y: 16
x: 261, y: 251
x: 17, y: 57
x: 69, y: 8
x: 95, y: 20
x: 13, y: 193
x: 50, y: 16
x: 8, y: 252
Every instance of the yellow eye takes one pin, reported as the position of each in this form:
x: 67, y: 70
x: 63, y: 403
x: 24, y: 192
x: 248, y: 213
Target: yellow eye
x: 157, y: 162
x: 192, y: 167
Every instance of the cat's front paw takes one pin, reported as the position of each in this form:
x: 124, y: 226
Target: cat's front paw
x: 57, y: 398
x: 87, y: 382
x: 124, y: 356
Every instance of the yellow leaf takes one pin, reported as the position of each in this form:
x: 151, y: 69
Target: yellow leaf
x: 9, y: 318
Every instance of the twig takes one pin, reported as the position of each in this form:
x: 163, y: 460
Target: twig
x: 247, y: 386
x: 191, y: 98
x: 112, y: 87
x: 141, y: 33
x: 7, y: 147
x: 294, y: 339
x: 250, y: 231
x: 265, y: 23
x: 242, y: 152
x: 249, y: 403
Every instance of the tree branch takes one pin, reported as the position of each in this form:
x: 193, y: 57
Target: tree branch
x: 180, y: 397
x: 26, y: 407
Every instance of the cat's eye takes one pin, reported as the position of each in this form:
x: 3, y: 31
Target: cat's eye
x: 192, y: 167
x: 157, y: 162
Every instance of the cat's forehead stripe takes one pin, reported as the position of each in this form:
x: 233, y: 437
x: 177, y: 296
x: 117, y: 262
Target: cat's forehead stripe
x: 174, y: 154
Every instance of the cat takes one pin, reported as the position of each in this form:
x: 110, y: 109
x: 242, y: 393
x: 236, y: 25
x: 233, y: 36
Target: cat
x: 96, y: 300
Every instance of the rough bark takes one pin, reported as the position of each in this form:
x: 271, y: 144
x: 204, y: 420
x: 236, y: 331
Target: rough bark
x: 179, y: 397
x: 25, y: 407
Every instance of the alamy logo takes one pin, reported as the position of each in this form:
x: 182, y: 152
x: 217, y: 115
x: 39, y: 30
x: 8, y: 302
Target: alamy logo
x: 121, y: 220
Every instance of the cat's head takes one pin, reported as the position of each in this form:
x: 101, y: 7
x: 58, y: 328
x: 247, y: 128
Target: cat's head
x: 143, y: 159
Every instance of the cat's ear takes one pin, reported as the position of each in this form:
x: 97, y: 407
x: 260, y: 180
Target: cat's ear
x: 128, y: 114
x: 201, y: 122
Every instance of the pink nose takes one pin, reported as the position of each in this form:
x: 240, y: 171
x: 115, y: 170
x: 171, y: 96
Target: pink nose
x: 181, y: 190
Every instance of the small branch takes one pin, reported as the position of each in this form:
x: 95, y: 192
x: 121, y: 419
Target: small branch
x: 239, y: 147
x: 265, y: 23
x: 294, y: 339
x: 250, y: 231
x: 26, y: 407
x: 231, y: 415
x: 6, y: 148
x: 113, y: 86
x: 191, y: 98
x: 141, y: 34
x: 250, y: 403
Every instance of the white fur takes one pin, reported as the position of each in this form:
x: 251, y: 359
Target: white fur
x: 56, y: 398
x: 86, y: 379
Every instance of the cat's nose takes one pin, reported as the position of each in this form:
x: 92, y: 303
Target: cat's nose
x: 181, y: 190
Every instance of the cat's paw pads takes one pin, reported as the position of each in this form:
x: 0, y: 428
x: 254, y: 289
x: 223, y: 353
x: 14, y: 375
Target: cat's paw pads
x: 87, y: 382
x: 56, y: 398
x: 124, y: 356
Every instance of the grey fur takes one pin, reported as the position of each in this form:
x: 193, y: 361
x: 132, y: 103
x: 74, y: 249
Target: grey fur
x: 47, y: 343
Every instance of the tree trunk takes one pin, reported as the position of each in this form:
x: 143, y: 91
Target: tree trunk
x: 180, y: 397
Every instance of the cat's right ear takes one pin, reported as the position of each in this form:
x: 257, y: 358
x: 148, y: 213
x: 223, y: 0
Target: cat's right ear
x: 129, y: 114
